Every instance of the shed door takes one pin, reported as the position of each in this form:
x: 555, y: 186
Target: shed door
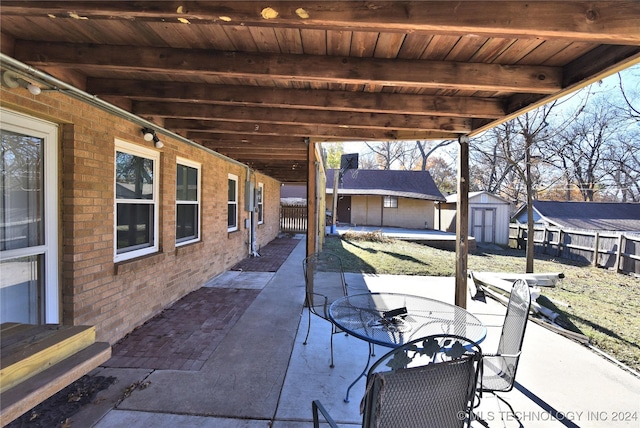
x: 344, y: 209
x: 483, y: 225
x: 28, y: 220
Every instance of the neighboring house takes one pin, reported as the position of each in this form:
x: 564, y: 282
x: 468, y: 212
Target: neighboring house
x: 595, y: 216
x: 385, y: 198
x: 102, y: 227
x: 293, y: 194
x: 488, y: 217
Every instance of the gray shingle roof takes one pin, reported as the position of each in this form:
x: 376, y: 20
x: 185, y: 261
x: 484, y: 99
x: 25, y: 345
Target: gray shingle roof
x: 406, y: 184
x: 591, y: 215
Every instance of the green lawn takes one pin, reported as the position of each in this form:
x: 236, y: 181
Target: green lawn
x: 601, y: 304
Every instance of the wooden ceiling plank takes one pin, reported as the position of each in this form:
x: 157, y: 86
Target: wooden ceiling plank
x: 297, y: 116
x: 289, y: 40
x: 593, y: 21
x: 321, y: 69
x: 314, y: 41
x: 339, y: 43
x: 295, y: 98
x: 439, y: 47
x: 388, y: 45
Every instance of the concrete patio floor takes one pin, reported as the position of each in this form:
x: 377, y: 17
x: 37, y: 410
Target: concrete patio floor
x: 261, y: 375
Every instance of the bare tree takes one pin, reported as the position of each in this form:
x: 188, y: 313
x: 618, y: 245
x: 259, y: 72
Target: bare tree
x: 632, y: 109
x: 426, y: 149
x: 387, y: 152
x: 581, y: 149
x: 508, y: 164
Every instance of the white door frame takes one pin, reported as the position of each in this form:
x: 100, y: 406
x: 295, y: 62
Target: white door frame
x: 48, y: 131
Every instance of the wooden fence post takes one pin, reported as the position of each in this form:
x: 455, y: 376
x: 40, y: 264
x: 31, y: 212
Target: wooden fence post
x: 596, y: 246
x: 619, y: 252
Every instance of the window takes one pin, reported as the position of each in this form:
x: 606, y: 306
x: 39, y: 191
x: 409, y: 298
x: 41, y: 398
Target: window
x: 259, y: 196
x: 232, y: 203
x: 136, y: 222
x: 390, y: 202
x: 187, y: 202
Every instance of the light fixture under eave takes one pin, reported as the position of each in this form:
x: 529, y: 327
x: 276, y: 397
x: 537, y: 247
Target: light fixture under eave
x: 150, y: 135
x: 12, y: 80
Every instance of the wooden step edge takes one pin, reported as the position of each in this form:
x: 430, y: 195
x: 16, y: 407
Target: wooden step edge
x: 34, y: 338
x: 26, y: 395
x: 34, y: 358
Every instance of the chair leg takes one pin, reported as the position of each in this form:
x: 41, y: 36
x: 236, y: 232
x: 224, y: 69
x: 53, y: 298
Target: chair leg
x: 331, y: 346
x: 308, y: 327
x: 510, y: 409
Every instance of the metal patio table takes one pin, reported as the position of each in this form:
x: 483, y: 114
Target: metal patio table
x: 391, y: 319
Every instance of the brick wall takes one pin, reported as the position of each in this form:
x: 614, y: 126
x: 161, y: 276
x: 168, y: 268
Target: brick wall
x: 118, y: 297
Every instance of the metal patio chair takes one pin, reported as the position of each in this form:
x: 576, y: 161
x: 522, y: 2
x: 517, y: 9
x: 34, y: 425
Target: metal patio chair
x: 324, y: 282
x: 428, y: 383
x: 499, y: 369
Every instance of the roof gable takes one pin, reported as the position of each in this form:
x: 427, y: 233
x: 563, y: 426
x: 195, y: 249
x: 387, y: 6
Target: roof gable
x: 475, y: 197
x: 407, y: 184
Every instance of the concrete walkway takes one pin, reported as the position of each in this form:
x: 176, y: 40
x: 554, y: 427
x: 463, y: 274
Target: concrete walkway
x: 260, y: 374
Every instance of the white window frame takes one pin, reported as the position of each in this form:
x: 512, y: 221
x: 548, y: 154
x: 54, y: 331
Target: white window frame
x: 260, y: 203
x: 198, y: 167
x: 235, y: 227
x: 390, y: 202
x: 133, y: 149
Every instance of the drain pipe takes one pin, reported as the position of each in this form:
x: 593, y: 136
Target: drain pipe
x: 58, y: 85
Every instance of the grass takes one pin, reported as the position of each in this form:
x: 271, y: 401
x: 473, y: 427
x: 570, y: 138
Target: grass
x: 599, y: 303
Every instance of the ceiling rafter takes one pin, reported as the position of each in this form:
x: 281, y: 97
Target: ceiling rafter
x: 297, y: 68
x: 288, y: 116
x: 592, y: 21
x: 299, y: 98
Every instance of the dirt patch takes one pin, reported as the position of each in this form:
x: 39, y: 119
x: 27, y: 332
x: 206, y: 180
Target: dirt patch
x: 57, y: 409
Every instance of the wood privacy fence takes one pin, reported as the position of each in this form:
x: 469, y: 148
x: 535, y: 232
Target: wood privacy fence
x: 293, y: 218
x: 611, y: 250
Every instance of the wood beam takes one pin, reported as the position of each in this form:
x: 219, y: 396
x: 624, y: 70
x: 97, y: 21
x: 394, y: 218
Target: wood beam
x: 319, y: 133
x: 271, y: 144
x: 294, y: 68
x: 288, y: 116
x: 592, y: 21
x: 298, y: 98
x: 260, y: 155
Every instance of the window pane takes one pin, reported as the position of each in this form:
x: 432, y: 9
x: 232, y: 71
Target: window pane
x: 21, y: 289
x: 134, y: 177
x: 390, y: 202
x: 232, y: 191
x: 187, y: 184
x: 135, y: 227
x: 231, y: 219
x: 187, y: 222
x: 21, y: 206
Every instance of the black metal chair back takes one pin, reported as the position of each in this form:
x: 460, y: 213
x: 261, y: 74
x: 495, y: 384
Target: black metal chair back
x: 324, y: 283
x: 428, y: 383
x: 499, y: 369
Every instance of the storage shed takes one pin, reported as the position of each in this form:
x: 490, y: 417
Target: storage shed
x: 488, y: 217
